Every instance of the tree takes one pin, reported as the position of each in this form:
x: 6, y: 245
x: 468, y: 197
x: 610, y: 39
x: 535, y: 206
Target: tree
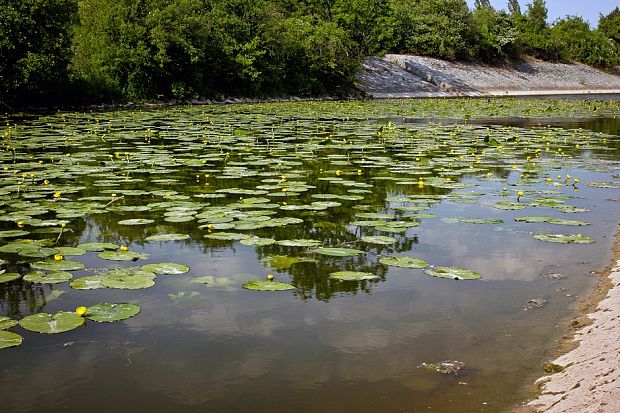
x: 514, y: 8
x: 482, y: 4
x: 35, y: 48
x: 609, y: 25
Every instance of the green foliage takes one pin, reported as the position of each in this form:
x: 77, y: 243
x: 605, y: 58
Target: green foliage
x: 582, y: 44
x: 35, y: 47
x: 433, y: 28
x: 496, y: 34
x: 609, y: 25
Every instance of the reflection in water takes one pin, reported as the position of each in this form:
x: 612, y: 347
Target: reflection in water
x: 329, y: 345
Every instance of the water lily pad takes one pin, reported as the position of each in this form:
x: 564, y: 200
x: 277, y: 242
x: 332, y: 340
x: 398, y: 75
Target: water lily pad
x: 564, y: 238
x: 227, y: 236
x: 353, y: 276
x: 468, y: 220
x: 91, y: 282
x: 281, y: 262
x: 51, y: 324
x: 12, y: 233
x: 36, y: 251
x: 299, y: 242
x: 167, y: 237
x: 452, y: 273
x: 107, y: 313
x: 257, y: 241
x: 9, y: 339
x: 513, y: 206
x: 61, y: 265
x: 260, y: 285
x: 69, y: 251
x: 6, y: 322
x: 338, y: 252
x: 136, y: 221
x: 169, y: 268
x: 127, y: 281
x: 10, y: 276
x: 379, y: 240
x: 53, y: 277
x: 121, y: 255
x: 403, y: 262
x: 98, y: 246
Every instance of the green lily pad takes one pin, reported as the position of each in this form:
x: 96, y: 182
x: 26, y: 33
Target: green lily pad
x: 511, y: 206
x: 452, y: 273
x: 61, y: 265
x: 6, y: 322
x: 127, y: 282
x: 403, y: 262
x: 169, y: 268
x: 281, y: 262
x: 167, y: 237
x: 98, y: 246
x: 136, y: 221
x: 260, y: 285
x: 227, y: 236
x: 12, y: 233
x: 121, y: 255
x: 564, y: 238
x: 353, y: 276
x: 379, y: 240
x: 257, y: 241
x: 10, y: 276
x: 69, y: 251
x: 53, y: 277
x: 338, y: 252
x: 51, y: 324
x: 468, y: 220
x: 299, y: 242
x: 107, y: 313
x: 91, y: 282
x: 36, y: 251
x: 9, y: 339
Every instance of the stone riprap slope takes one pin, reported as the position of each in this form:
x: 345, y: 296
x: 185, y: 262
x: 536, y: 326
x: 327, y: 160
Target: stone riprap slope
x: 394, y: 76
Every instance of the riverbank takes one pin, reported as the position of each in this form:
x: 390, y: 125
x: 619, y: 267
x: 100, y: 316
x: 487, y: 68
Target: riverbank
x: 588, y: 376
x: 404, y: 76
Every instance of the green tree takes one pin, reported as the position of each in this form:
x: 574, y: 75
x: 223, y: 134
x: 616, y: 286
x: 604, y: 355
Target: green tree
x: 35, y: 47
x: 439, y: 28
x: 609, y: 25
x: 495, y: 34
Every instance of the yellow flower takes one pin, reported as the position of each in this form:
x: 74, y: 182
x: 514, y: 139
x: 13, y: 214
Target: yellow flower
x: 57, y: 194
x: 20, y: 224
x: 338, y: 172
x: 58, y: 257
x: 123, y: 248
x: 576, y: 180
x: 520, y: 193
x: 46, y: 182
x: 270, y: 277
x: 81, y: 310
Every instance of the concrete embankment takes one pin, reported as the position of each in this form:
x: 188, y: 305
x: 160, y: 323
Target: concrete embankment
x: 404, y: 76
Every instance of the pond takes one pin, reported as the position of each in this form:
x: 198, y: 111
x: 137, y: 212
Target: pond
x: 384, y: 256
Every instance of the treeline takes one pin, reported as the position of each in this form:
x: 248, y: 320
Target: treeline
x: 69, y: 51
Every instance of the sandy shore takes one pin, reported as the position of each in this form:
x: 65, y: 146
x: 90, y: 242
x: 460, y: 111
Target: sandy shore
x: 589, y: 380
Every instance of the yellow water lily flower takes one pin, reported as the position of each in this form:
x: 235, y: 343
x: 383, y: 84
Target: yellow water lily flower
x: 58, y: 257
x: 81, y: 310
x: 270, y: 277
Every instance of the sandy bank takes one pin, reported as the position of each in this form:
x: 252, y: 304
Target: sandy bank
x: 590, y: 377
x: 395, y: 76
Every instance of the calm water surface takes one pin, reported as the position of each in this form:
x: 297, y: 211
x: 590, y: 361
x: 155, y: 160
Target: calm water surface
x: 326, y: 346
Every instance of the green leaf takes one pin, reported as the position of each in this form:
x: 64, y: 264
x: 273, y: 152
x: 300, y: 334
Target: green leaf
x: 9, y: 339
x: 260, y: 285
x: 98, y: 246
x: 107, y: 313
x: 51, y: 324
x: 452, y: 273
x: 338, y: 252
x: 167, y: 237
x: 121, y: 255
x: 6, y: 277
x: 403, y: 262
x: 169, y: 268
x: 92, y: 282
x: 564, y: 238
x: 380, y: 240
x: 353, y: 276
x: 6, y: 322
x: 53, y: 277
x: 137, y: 221
x: 61, y: 265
